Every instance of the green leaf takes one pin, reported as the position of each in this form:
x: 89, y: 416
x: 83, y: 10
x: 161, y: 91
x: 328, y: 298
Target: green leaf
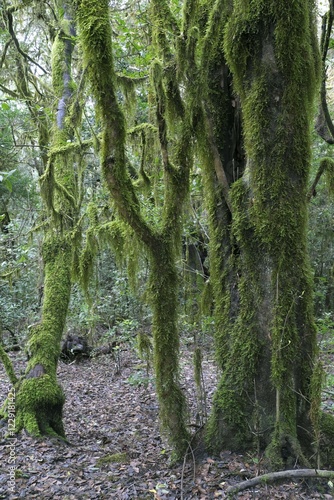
x: 5, y: 106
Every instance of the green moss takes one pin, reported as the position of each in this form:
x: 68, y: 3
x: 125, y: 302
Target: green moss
x: 267, y: 312
x: 269, y: 221
x: 39, y: 404
x: 95, y: 34
x: 164, y: 299
x: 327, y: 439
x: 39, y: 398
x: 8, y: 365
x: 115, y: 458
x: 58, y: 65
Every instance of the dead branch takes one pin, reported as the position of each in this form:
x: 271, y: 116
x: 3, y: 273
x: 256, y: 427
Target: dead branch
x: 275, y: 476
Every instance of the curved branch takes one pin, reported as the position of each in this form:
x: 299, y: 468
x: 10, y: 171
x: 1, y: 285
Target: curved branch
x: 17, y: 44
x: 317, y: 178
x: 218, y: 165
x: 325, y: 164
x: 9, y: 92
x: 324, y: 125
x: 3, y: 57
x: 275, y: 476
x: 93, y: 19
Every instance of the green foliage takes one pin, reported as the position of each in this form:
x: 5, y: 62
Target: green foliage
x: 139, y: 378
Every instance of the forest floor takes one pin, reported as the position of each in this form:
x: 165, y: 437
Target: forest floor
x: 116, y: 451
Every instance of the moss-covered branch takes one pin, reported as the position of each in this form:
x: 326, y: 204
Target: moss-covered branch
x: 95, y: 34
x: 94, y: 25
x: 8, y: 365
x: 9, y: 18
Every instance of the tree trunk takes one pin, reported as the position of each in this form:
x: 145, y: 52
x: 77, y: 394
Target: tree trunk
x: 164, y: 299
x: 96, y: 40
x: 40, y: 399
x: 269, y: 393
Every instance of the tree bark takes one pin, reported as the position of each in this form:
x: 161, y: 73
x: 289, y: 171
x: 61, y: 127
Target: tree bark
x: 96, y: 39
x: 269, y: 393
x: 40, y: 398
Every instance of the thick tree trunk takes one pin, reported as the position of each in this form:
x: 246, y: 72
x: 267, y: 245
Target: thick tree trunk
x: 269, y: 393
x: 40, y: 399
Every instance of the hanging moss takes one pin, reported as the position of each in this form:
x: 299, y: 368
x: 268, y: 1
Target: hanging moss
x: 95, y: 35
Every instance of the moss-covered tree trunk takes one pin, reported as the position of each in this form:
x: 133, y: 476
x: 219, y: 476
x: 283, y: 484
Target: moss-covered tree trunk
x: 269, y: 393
x: 40, y: 399
x: 96, y: 40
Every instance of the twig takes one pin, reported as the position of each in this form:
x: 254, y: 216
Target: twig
x: 184, y: 465
x: 331, y: 393
x: 274, y: 476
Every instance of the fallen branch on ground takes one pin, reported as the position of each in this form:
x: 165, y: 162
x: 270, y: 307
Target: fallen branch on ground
x: 274, y: 476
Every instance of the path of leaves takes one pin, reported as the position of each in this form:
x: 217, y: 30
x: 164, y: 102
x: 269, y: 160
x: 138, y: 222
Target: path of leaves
x: 116, y: 452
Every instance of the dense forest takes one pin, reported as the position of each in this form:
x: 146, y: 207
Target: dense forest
x: 166, y: 198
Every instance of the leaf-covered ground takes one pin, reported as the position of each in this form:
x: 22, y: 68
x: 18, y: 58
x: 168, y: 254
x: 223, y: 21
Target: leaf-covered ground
x: 116, y: 451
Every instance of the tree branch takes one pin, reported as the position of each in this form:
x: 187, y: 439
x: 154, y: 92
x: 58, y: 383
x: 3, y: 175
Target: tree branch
x: 219, y: 168
x: 317, y: 178
x: 324, y: 124
x: 275, y: 476
x: 17, y: 44
x: 3, y: 57
x: 326, y: 164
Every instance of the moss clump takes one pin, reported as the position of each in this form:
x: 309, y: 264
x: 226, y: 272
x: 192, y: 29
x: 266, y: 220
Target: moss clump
x: 115, y: 458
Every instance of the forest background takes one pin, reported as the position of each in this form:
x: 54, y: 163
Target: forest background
x: 52, y: 186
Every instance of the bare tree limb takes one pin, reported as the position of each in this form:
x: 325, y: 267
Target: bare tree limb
x: 317, y: 178
x: 219, y: 167
x: 324, y: 124
x: 17, y: 44
x: 275, y: 476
